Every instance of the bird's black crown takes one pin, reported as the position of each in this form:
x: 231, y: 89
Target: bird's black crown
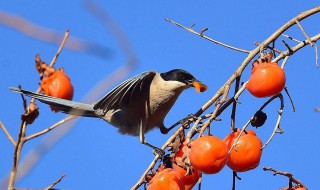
x: 178, y: 75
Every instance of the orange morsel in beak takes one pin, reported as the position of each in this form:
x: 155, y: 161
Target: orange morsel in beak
x: 199, y: 86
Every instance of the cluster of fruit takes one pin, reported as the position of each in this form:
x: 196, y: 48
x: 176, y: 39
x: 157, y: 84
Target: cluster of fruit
x: 209, y: 154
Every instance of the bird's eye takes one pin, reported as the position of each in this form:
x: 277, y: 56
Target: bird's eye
x: 181, y: 76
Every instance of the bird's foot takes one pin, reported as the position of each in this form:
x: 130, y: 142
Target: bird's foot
x: 190, y: 118
x: 158, y: 151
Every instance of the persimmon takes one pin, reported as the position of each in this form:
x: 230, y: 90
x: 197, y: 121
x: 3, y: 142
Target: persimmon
x: 246, y: 153
x: 166, y: 179
x: 267, y: 79
x: 190, y: 178
x: 58, y: 85
x: 208, y: 154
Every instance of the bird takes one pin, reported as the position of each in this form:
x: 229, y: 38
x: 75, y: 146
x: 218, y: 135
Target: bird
x: 136, y: 106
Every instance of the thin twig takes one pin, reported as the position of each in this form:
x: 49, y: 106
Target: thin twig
x: 70, y: 117
x: 291, y: 38
x: 316, y: 51
x: 206, y: 37
x: 295, y: 48
x: 284, y: 61
x: 240, y: 134
x: 234, y: 105
x: 269, y: 47
x: 287, y: 45
x: 287, y: 174
x: 291, y: 101
x: 234, y: 178
x: 214, y: 114
x: 55, y: 183
x: 8, y: 134
x: 54, y: 59
x: 304, y: 32
x: 277, y: 128
x: 193, y: 129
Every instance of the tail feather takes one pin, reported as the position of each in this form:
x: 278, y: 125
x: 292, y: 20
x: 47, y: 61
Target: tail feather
x: 65, y: 106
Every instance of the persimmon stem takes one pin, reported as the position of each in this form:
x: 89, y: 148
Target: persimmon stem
x: 277, y: 128
x: 234, y: 105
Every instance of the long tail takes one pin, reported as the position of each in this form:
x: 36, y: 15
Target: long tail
x: 65, y: 106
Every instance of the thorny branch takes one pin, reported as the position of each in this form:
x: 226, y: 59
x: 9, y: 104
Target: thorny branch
x: 224, y: 90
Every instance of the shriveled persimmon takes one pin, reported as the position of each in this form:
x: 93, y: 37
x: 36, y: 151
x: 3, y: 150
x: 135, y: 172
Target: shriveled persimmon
x: 208, y: 154
x: 189, y: 179
x: 166, y: 179
x: 246, y: 153
x: 267, y: 79
x: 189, y: 176
x: 58, y: 85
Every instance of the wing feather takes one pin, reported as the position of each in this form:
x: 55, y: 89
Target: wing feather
x: 122, y: 95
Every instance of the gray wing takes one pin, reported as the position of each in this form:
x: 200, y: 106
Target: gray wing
x: 122, y: 95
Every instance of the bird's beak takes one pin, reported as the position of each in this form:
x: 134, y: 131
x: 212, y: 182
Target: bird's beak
x: 199, y: 86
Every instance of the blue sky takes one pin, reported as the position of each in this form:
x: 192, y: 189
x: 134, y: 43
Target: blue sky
x: 94, y: 155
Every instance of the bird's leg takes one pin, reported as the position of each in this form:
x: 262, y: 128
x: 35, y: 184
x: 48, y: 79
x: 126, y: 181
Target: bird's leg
x: 142, y: 139
x: 189, y: 118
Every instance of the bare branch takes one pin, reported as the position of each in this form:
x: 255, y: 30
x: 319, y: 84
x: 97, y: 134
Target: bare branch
x: 304, y: 32
x: 277, y: 128
x: 291, y: 101
x: 206, y: 37
x: 8, y: 134
x: 269, y: 47
x: 296, y: 48
x: 287, y: 174
x: 291, y: 38
x: 284, y: 61
x: 66, y: 35
x: 17, y: 155
x: 215, y: 112
x: 50, y: 128
x: 55, y: 183
x: 240, y: 134
x: 234, y: 105
x: 316, y: 51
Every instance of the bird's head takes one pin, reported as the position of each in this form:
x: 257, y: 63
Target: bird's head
x: 184, y: 77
